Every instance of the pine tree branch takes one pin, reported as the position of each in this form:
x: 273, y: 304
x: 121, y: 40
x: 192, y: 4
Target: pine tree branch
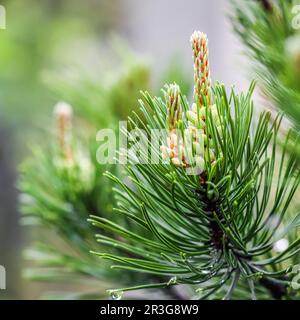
x: 220, y: 241
x: 211, y: 207
x: 210, y: 225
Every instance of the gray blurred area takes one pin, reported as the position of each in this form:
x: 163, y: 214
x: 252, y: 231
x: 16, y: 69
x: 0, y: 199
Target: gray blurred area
x: 10, y: 230
x: 162, y: 28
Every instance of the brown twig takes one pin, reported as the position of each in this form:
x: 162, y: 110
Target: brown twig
x: 267, y: 5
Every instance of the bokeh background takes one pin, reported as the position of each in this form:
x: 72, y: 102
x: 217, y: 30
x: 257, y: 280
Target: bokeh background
x: 46, y: 36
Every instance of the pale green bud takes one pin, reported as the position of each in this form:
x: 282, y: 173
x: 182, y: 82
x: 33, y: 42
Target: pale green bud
x: 202, y: 113
x: 198, y: 148
x: 176, y: 162
x: 200, y: 163
x: 172, y: 98
x: 192, y: 117
x: 211, y: 154
x: 194, y: 107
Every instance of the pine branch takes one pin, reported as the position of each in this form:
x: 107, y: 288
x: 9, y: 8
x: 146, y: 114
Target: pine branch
x: 272, y: 44
x: 62, y: 183
x: 202, y: 214
x: 219, y: 241
x: 211, y: 206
